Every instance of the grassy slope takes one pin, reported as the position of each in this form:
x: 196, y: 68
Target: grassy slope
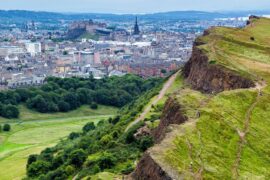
x: 34, y: 131
x: 210, y: 146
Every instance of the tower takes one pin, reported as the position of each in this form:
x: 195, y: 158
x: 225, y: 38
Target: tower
x: 136, y: 28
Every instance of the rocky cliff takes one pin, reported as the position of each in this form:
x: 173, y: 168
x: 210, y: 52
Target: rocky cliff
x: 211, y: 78
x: 148, y: 169
x: 172, y: 114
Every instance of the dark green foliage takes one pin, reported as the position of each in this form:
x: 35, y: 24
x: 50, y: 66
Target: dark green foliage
x: 10, y: 111
x: 31, y: 159
x: 106, y: 161
x: 77, y: 157
x: 146, y: 142
x: 38, y: 168
x: 102, y: 147
x: 88, y: 127
x: 94, y: 106
x: 63, y: 95
x: 6, y: 127
x: 73, y: 135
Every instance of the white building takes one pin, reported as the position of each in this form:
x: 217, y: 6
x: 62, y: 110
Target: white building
x: 33, y: 48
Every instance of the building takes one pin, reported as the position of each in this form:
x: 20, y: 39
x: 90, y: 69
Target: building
x: 136, y: 30
x: 33, y: 48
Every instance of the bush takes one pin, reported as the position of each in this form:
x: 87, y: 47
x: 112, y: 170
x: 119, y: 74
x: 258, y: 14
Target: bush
x: 88, y: 127
x: 146, y: 142
x: 77, y: 157
x: 94, y: 106
x: 38, y: 168
x: 73, y: 135
x: 31, y: 159
x: 106, y: 161
x: 6, y: 127
x: 10, y: 111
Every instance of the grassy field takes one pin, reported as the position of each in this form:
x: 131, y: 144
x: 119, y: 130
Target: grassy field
x: 227, y: 135
x: 33, y: 132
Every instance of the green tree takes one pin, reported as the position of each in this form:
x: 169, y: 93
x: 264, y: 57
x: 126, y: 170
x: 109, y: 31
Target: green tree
x: 6, y: 127
x: 77, y: 157
x: 88, y: 127
x: 38, y: 168
x: 94, y: 106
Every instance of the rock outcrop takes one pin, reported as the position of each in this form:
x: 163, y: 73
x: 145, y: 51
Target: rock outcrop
x: 148, y: 169
x: 211, y: 78
x: 172, y: 114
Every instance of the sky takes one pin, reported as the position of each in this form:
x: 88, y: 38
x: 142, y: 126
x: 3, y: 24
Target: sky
x: 133, y: 6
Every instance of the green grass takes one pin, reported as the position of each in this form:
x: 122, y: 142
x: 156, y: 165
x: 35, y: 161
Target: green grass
x: 209, y: 143
x: 104, y: 176
x: 84, y: 111
x: 35, y: 131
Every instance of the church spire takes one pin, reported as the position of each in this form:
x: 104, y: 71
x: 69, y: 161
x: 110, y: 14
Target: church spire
x: 136, y: 27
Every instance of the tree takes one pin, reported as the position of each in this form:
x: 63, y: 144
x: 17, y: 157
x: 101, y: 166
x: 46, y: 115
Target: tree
x: 77, y: 157
x: 106, y: 161
x: 63, y: 106
x: 88, y: 127
x: 0, y: 128
x: 73, y: 135
x: 31, y: 159
x: 38, y: 168
x: 163, y: 71
x: 6, y: 127
x: 10, y: 111
x: 146, y: 142
x: 94, y: 106
x: 72, y: 100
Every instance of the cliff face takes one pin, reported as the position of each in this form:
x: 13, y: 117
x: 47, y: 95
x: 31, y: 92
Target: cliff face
x: 148, y: 169
x: 172, y: 114
x: 210, y: 78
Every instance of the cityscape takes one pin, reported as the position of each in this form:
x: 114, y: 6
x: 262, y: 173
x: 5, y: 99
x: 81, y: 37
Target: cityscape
x: 134, y: 90
x: 31, y: 51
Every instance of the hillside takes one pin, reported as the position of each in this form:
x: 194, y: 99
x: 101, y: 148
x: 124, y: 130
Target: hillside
x: 218, y: 125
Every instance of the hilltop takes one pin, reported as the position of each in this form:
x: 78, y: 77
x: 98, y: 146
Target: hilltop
x: 217, y: 125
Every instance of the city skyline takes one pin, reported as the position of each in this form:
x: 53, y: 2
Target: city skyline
x: 132, y: 6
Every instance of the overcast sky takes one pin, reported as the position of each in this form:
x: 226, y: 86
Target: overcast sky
x: 133, y: 6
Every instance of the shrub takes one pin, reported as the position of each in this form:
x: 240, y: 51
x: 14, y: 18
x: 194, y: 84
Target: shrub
x: 94, y: 106
x: 146, y: 142
x: 77, y: 157
x: 73, y: 135
x: 106, y: 161
x: 31, y: 159
x: 10, y: 111
x: 70, y: 170
x: 38, y: 168
x: 88, y: 127
x: 6, y: 127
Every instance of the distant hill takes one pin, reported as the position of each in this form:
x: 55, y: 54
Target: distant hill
x: 22, y: 15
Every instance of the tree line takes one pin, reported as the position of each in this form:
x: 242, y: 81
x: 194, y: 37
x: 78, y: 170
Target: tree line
x: 66, y: 94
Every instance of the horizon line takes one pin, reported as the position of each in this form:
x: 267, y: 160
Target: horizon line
x: 131, y: 13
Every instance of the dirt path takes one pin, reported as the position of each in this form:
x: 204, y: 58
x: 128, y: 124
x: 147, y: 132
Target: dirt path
x: 242, y: 134
x: 162, y: 93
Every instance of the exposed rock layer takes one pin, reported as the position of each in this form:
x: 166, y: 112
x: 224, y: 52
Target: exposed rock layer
x: 172, y: 114
x: 211, y: 78
x: 148, y: 169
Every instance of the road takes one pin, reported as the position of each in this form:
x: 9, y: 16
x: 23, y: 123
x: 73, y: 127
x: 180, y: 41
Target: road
x: 161, y: 94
